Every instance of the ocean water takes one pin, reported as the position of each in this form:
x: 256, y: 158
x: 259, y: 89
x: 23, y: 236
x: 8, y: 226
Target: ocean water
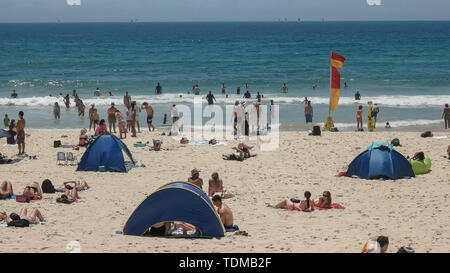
x: 402, y: 66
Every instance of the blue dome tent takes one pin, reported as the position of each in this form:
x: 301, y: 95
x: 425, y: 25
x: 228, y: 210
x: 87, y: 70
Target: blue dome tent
x: 106, y: 151
x: 176, y: 201
x: 380, y: 160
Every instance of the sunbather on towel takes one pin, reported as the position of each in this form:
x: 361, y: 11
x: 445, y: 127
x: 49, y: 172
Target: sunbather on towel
x: 71, y: 193
x: 324, y: 201
x: 79, y: 185
x: 245, y: 149
x: 226, y: 216
x: 33, y: 190
x: 304, y: 205
x: 376, y: 245
x: 6, y: 190
x: 22, y: 220
x: 166, y: 228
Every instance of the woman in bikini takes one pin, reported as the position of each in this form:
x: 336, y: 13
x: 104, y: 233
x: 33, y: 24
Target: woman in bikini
x: 33, y: 190
x: 122, y: 124
x: 215, y: 184
x: 31, y: 219
x: 359, y: 117
x: 6, y: 190
x: 83, y: 140
x: 304, y: 205
x: 112, y: 117
x: 324, y: 201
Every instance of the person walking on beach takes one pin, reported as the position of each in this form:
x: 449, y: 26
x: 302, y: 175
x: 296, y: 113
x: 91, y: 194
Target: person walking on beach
x: 446, y: 116
x: 20, y: 129
x: 91, y: 117
x: 175, y: 117
x: 196, y: 90
x: 210, y: 97
x: 359, y: 124
x: 149, y: 109
x: 126, y: 100
x: 133, y: 119
x: 374, y: 113
x: 14, y: 94
x: 122, y: 124
x: 6, y: 121
x: 112, y: 117
x: 56, y: 111
x: 158, y: 89
x: 224, y: 88
x: 308, y: 112
x: 284, y: 88
x: 95, y: 118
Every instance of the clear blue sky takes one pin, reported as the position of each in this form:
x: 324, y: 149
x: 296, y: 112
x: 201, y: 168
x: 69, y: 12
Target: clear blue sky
x: 220, y: 10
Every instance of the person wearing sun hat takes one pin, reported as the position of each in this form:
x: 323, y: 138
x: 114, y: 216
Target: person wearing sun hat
x: 195, y: 178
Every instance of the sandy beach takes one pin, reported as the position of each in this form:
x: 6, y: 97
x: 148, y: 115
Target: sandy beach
x: 412, y: 212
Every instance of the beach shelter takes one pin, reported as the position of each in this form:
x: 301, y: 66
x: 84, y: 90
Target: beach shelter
x: 380, y: 160
x: 176, y: 201
x: 106, y: 150
x: 4, y: 133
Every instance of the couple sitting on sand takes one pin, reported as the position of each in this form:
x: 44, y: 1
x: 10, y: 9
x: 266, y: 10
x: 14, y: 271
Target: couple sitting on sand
x: 71, y: 193
x: 32, y: 190
x: 22, y: 220
x: 305, y: 205
x: 242, y: 152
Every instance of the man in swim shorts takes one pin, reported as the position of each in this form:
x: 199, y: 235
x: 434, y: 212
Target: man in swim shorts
x: 226, y: 216
x: 149, y: 109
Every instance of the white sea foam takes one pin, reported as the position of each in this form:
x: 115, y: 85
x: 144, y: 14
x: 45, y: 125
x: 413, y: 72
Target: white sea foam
x: 384, y: 100
x: 394, y: 123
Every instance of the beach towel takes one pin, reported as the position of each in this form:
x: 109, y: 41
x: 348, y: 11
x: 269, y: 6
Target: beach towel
x: 221, y: 144
x: 440, y: 137
x: 333, y: 206
x: 232, y: 229
x: 139, y: 144
x: 10, y: 161
x: 12, y: 145
x: 198, y: 142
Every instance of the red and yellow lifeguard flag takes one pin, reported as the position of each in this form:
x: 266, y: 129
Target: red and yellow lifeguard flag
x: 337, y: 60
x: 335, y: 86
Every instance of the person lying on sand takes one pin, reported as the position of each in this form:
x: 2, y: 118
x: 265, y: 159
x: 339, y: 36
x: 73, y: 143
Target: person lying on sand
x: 33, y: 190
x: 304, y: 205
x: 376, y: 245
x: 78, y: 185
x: 6, y: 190
x: 195, y: 178
x: 226, y: 216
x: 242, y: 152
x: 166, y: 228
x: 324, y: 201
x: 22, y: 220
x: 71, y: 193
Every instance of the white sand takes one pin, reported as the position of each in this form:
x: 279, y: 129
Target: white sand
x: 411, y: 212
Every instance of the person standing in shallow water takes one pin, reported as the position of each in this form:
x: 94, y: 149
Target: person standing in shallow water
x: 56, y: 111
x: 158, y: 89
x: 224, y: 88
x: 359, y: 124
x: 210, y: 97
x: 446, y: 116
x: 308, y: 112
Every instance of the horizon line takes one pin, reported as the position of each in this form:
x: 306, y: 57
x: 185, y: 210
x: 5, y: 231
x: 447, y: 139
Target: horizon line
x: 256, y: 21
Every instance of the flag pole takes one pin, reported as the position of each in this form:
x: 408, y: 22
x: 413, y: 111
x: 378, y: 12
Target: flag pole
x: 329, y: 103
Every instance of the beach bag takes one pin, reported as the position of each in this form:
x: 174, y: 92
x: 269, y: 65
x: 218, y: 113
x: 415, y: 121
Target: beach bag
x: 56, y: 143
x: 47, y: 186
x: 427, y: 134
x: 23, y: 199
x: 213, y: 142
x: 395, y: 142
x: 316, y: 131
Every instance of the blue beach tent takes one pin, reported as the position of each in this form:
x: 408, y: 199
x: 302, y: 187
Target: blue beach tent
x: 380, y: 160
x: 176, y: 201
x: 106, y: 151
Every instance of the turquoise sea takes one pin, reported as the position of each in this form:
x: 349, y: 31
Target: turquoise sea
x: 404, y: 67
